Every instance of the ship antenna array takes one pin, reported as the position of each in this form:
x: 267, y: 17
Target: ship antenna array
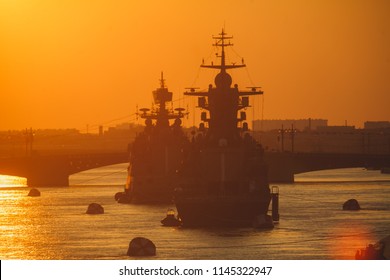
x: 221, y: 41
x: 162, y: 80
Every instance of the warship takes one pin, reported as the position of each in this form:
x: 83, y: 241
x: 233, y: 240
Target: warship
x: 156, y: 153
x: 223, y: 181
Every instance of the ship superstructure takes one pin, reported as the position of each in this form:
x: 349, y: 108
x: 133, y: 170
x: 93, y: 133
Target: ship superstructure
x: 224, y: 179
x: 157, y: 152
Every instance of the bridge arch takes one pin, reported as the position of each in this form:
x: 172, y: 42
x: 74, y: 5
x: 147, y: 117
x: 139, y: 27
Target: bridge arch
x: 12, y: 181
x: 354, y: 174
x: 113, y: 174
x: 283, y: 166
x: 54, y: 170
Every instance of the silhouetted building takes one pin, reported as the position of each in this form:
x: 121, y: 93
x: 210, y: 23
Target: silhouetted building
x: 377, y: 125
x: 300, y: 124
x: 336, y: 128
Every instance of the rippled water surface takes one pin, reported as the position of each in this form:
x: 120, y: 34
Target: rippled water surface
x: 312, y: 224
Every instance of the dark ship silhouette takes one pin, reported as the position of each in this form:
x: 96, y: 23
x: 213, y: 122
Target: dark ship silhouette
x: 156, y: 153
x: 223, y: 181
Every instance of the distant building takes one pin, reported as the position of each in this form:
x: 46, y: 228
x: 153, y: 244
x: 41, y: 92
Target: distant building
x: 336, y: 129
x: 300, y: 124
x: 377, y: 125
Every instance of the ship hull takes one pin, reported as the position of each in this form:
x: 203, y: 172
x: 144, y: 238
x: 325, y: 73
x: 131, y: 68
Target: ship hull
x: 230, y: 211
x: 153, y: 189
x: 153, y: 170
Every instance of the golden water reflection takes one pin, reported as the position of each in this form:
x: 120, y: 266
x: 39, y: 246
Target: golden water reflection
x: 12, y: 181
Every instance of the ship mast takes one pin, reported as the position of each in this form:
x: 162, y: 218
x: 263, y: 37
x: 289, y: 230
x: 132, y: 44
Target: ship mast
x: 161, y: 114
x: 223, y: 102
x: 221, y: 42
x: 162, y: 80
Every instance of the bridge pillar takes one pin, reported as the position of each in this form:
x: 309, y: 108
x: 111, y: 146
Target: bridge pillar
x: 47, y: 172
x: 54, y: 170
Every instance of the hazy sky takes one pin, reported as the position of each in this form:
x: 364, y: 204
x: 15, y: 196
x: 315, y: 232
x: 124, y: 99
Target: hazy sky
x: 69, y: 63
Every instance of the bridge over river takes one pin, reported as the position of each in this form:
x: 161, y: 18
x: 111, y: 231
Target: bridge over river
x: 54, y: 170
x: 283, y: 166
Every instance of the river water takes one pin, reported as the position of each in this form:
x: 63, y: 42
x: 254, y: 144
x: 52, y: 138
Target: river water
x: 312, y: 223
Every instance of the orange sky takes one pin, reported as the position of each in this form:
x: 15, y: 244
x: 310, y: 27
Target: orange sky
x: 69, y: 63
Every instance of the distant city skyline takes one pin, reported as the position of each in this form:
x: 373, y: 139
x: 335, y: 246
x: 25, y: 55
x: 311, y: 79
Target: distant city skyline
x: 258, y: 125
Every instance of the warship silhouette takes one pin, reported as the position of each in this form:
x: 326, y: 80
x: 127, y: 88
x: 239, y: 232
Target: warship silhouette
x: 156, y: 153
x: 223, y: 180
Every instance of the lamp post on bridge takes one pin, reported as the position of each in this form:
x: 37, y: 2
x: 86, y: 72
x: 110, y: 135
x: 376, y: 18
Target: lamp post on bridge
x: 281, y: 131
x: 292, y: 132
x: 29, y: 138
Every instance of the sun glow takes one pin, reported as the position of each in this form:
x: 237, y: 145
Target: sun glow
x: 312, y: 58
x: 349, y: 241
x: 12, y: 181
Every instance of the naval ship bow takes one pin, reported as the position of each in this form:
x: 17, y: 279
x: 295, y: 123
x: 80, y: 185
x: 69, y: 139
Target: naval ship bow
x: 224, y: 180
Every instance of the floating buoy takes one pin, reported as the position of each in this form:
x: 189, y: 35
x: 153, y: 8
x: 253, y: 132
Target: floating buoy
x: 141, y: 246
x: 95, y: 208
x: 34, y: 192
x: 170, y: 220
x: 118, y: 195
x: 351, y: 204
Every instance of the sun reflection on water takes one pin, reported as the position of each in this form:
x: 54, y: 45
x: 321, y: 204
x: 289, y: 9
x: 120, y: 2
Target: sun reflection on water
x: 349, y: 241
x: 7, y: 181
